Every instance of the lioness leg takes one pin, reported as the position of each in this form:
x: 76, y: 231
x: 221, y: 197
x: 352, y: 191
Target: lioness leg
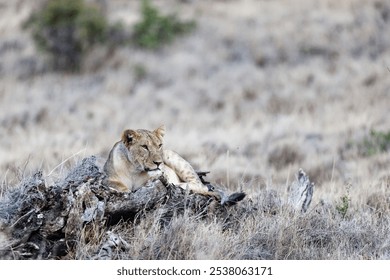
x: 184, y: 171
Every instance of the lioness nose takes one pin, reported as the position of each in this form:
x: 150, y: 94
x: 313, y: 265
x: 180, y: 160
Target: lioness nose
x: 157, y: 163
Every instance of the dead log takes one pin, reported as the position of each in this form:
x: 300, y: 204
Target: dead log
x: 38, y: 221
x: 46, y: 222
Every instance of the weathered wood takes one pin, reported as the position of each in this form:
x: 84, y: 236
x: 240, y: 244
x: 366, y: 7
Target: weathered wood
x: 47, y: 222
x: 301, y: 192
x: 112, y: 242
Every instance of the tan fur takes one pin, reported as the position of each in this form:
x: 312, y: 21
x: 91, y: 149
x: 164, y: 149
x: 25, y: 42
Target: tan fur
x: 139, y: 156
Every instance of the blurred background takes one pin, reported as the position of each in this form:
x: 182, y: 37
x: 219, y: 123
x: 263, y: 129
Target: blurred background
x: 250, y: 90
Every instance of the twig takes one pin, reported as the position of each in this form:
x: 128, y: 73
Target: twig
x: 22, y: 217
x: 83, y: 150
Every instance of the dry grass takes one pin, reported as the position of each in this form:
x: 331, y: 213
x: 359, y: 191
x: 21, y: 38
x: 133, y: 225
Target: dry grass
x: 262, y: 227
x: 259, y: 89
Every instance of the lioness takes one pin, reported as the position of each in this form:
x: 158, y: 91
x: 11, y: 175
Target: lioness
x: 139, y: 156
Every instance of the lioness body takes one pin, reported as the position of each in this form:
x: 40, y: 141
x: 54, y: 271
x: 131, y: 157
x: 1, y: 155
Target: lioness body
x: 139, y: 156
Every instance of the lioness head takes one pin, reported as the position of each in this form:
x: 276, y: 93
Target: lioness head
x: 144, y: 148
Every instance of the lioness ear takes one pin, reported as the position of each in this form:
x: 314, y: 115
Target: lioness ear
x: 160, y: 132
x: 128, y: 136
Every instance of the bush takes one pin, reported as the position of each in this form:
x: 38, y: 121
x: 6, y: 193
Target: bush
x: 344, y: 203
x: 155, y: 30
x: 376, y: 142
x: 66, y: 29
x: 343, y: 207
x: 372, y: 143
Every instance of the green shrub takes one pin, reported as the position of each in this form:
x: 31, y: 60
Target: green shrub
x: 342, y: 208
x: 66, y: 29
x: 376, y: 142
x: 344, y: 204
x: 155, y: 30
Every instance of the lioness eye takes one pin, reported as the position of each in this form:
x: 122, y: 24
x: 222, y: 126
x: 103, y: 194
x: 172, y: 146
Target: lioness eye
x: 145, y: 147
x: 160, y: 146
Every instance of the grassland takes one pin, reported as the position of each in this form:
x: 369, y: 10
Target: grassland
x: 257, y: 90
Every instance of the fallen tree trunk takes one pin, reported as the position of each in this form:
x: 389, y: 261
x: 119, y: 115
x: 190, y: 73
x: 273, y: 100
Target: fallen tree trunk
x: 47, y: 222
